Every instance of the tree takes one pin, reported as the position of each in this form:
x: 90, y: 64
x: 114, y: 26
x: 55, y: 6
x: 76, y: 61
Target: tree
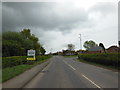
x: 101, y: 45
x: 34, y: 40
x: 71, y: 47
x: 42, y: 50
x: 26, y: 33
x: 17, y: 43
x: 89, y: 44
x: 12, y: 44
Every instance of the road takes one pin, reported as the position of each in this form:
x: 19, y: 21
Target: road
x: 65, y: 72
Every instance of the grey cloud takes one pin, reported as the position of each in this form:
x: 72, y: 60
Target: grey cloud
x: 0, y: 18
x: 119, y: 21
x: 104, y: 7
x: 56, y: 25
x: 43, y: 15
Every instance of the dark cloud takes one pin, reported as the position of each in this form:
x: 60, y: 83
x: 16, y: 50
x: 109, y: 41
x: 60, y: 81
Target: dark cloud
x: 44, y: 15
x: 58, y: 24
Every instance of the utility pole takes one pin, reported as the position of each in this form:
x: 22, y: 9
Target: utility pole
x: 80, y: 42
x: 51, y: 50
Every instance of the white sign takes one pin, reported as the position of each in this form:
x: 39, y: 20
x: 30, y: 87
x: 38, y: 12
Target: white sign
x: 31, y: 52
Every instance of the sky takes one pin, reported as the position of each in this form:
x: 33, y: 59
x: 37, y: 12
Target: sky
x: 59, y: 22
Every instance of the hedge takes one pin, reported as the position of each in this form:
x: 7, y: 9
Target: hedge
x: 110, y: 59
x: 13, y: 61
x: 18, y: 60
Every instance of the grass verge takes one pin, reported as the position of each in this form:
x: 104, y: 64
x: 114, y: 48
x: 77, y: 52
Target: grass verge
x: 10, y: 72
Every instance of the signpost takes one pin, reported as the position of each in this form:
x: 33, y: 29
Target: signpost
x: 31, y: 54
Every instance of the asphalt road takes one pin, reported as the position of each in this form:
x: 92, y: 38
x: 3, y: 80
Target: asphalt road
x: 67, y: 73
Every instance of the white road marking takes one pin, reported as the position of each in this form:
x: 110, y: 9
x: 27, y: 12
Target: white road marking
x: 91, y: 81
x: 84, y: 76
x: 71, y: 67
x: 116, y: 72
x: 65, y: 62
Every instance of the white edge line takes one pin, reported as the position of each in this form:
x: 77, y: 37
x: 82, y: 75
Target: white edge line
x: 91, y: 81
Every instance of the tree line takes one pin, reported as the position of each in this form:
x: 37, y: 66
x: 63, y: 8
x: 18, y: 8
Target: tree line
x: 87, y: 45
x: 90, y: 44
x: 17, y: 43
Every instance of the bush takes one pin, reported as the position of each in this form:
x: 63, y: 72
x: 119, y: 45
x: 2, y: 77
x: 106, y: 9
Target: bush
x: 19, y: 60
x: 110, y: 59
x: 13, y: 70
x: 43, y: 57
x: 13, y: 61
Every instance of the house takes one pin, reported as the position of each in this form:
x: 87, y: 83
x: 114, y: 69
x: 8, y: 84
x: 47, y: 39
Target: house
x: 113, y: 49
x: 95, y: 49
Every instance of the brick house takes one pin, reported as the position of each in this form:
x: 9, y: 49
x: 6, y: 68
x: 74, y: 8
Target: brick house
x: 113, y: 49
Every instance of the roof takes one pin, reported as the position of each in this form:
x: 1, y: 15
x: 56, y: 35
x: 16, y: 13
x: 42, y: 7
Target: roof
x: 97, y: 48
x: 113, y: 47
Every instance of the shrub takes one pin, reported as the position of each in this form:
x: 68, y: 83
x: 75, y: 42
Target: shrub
x: 110, y: 59
x: 13, y: 61
x: 19, y: 60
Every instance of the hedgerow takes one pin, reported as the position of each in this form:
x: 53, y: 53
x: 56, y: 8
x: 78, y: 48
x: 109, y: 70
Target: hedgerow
x: 19, y: 60
x: 110, y: 59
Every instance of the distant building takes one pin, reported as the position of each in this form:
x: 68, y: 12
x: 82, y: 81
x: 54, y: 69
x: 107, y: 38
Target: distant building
x: 59, y: 53
x: 81, y: 51
x: 113, y: 49
x: 68, y: 52
x: 95, y: 49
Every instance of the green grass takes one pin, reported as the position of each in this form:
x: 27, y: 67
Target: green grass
x: 10, y: 72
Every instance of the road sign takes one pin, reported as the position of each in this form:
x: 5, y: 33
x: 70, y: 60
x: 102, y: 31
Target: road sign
x: 31, y: 53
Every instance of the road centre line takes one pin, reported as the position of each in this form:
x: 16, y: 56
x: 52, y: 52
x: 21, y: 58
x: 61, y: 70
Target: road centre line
x: 71, y: 67
x: 84, y: 76
x: 65, y: 62
x: 91, y: 81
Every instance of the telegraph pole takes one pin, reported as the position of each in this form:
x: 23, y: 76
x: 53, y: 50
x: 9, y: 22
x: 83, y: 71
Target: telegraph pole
x: 51, y: 50
x: 80, y: 42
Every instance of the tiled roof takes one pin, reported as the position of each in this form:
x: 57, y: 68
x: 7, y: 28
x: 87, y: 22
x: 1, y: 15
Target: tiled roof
x: 97, y: 48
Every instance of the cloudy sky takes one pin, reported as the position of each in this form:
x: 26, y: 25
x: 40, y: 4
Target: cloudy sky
x: 58, y: 23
